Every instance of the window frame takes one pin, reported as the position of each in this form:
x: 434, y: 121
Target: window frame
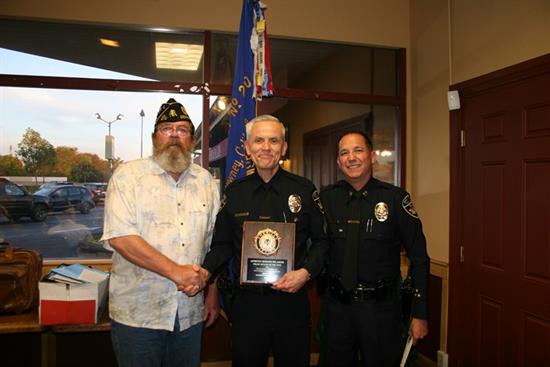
x: 206, y: 88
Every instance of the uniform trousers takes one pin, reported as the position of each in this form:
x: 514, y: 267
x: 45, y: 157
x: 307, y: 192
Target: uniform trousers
x: 372, y: 328
x: 270, y: 320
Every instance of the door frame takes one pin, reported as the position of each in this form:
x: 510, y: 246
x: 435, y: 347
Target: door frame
x: 333, y: 132
x: 470, y: 88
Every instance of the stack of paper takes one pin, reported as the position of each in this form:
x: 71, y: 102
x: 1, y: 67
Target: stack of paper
x: 76, y: 274
x: 406, y: 352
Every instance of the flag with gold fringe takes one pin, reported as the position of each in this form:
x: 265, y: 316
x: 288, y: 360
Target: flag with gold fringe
x: 251, y: 82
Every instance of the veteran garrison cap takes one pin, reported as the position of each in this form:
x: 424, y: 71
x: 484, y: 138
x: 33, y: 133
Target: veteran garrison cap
x: 172, y: 111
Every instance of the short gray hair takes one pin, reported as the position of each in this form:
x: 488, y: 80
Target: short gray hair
x: 263, y: 118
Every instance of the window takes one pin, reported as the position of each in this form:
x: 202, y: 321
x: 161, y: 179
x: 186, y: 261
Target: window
x: 313, y: 65
x: 59, y: 193
x: 90, y: 93
x: 14, y: 190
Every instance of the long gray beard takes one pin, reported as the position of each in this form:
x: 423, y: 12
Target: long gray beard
x: 172, y: 158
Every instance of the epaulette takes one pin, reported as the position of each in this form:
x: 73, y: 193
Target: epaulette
x: 385, y: 185
x: 238, y: 182
x: 242, y: 179
x: 333, y: 186
x: 299, y: 179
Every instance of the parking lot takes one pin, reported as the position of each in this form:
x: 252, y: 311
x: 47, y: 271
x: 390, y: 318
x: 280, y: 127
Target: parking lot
x: 61, y: 235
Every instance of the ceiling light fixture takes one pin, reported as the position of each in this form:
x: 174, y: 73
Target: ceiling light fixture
x: 109, y: 42
x: 221, y: 104
x: 179, y: 56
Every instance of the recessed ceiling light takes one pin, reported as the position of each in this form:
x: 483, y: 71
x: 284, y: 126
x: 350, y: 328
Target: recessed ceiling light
x: 108, y: 42
x: 180, y: 56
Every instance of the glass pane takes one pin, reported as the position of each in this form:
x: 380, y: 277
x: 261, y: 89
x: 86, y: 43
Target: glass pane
x: 315, y: 65
x: 385, y: 72
x: 222, y: 65
x: 80, y: 50
x: 66, y: 119
x: 330, y: 120
x: 324, y: 122
x: 385, y: 139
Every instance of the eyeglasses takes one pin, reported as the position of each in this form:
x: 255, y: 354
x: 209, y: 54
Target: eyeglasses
x: 168, y: 130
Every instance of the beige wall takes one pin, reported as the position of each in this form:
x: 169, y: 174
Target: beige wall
x: 451, y: 42
x: 447, y: 42
x: 429, y: 124
x: 360, y: 21
x: 488, y: 35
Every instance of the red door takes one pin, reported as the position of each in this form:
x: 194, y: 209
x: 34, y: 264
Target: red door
x: 500, y: 232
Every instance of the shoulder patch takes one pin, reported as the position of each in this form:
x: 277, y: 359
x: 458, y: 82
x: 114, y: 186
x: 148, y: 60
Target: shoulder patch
x: 317, y: 200
x: 407, y: 205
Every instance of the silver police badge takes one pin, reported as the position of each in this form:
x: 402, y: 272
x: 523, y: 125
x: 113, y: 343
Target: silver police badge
x: 381, y: 211
x: 267, y: 241
x: 295, y: 203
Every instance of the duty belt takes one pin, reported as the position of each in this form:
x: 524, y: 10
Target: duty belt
x: 381, y: 290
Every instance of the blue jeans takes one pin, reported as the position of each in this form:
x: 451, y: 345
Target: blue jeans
x: 142, y: 347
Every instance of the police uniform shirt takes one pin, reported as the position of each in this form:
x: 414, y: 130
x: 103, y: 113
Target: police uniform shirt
x: 387, y: 222
x: 252, y: 199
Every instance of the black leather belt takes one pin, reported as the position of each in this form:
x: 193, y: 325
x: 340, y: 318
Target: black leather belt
x: 378, y: 291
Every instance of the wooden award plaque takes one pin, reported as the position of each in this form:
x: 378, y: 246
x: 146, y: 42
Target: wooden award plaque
x: 267, y: 251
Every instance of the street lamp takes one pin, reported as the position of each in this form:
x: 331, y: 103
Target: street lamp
x: 109, y: 140
x: 142, y: 114
x: 118, y: 117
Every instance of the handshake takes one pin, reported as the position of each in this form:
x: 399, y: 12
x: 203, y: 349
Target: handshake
x: 190, y: 278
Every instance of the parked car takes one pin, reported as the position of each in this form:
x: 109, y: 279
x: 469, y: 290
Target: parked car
x: 54, y: 183
x: 98, y: 190
x: 17, y: 202
x: 63, y: 197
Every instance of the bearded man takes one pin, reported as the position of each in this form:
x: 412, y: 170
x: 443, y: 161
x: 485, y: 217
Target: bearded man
x: 159, y: 219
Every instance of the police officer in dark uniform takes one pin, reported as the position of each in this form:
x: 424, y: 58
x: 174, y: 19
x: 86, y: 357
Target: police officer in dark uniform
x: 368, y: 223
x: 275, y: 317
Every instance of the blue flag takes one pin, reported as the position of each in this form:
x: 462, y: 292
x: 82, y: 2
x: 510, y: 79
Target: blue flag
x: 243, y: 105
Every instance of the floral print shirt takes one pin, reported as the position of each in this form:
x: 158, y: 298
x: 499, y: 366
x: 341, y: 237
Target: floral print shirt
x: 177, y: 219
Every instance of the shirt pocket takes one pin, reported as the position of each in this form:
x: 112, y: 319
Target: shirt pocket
x: 155, y: 206
x: 337, y: 229
x: 241, y: 217
x: 380, y: 231
x: 302, y: 221
x: 196, y: 218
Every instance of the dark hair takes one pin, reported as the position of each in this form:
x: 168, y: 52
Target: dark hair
x: 368, y: 140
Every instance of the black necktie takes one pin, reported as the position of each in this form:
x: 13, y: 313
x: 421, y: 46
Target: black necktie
x: 349, y: 271
x: 268, y: 204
